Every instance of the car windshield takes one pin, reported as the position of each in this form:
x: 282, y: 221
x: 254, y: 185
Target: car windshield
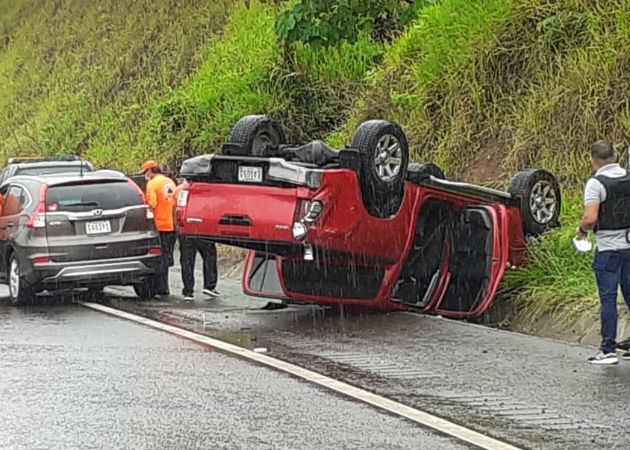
x: 90, y: 196
x: 47, y: 170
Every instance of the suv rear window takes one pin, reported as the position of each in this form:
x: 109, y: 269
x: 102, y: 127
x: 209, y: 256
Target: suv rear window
x: 90, y: 196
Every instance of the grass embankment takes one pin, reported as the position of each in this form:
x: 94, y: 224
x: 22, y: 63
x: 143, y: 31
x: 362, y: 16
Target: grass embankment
x: 482, y: 87
x: 81, y: 77
x: 118, y: 82
x: 244, y: 72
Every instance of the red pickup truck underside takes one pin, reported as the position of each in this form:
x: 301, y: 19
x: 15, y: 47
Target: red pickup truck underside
x: 445, y: 251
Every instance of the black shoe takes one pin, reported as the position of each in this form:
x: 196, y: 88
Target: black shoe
x: 625, y: 356
x: 624, y: 345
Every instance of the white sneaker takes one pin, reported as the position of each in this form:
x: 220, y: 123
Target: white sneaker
x: 603, y: 359
x: 188, y: 298
x: 211, y: 292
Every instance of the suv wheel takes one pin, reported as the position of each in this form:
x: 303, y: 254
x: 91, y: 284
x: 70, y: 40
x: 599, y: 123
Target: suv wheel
x: 539, y: 192
x: 145, y: 290
x: 95, y: 292
x: 258, y: 135
x: 19, y: 290
x: 384, y: 156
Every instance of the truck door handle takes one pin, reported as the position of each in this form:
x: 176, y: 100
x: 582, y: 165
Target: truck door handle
x: 8, y: 226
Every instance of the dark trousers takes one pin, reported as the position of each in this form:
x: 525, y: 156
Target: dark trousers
x: 612, y: 269
x: 188, y: 248
x: 167, y: 241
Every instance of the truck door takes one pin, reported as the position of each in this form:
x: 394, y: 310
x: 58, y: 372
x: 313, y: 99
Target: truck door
x: 477, y: 260
x: 261, y: 277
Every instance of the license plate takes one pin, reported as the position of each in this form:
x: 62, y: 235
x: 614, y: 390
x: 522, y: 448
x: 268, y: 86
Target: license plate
x: 250, y: 174
x: 98, y: 227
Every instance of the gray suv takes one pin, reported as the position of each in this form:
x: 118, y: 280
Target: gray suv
x: 67, y: 231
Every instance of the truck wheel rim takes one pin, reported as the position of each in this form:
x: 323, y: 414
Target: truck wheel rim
x: 14, y: 279
x: 543, y: 202
x: 388, y: 157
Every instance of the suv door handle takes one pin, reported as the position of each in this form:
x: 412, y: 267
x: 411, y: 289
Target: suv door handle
x: 8, y: 225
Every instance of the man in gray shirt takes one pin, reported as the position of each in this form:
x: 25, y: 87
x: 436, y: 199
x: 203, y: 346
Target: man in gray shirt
x: 607, y: 212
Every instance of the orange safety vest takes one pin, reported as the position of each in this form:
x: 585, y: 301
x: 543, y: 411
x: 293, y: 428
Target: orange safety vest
x: 161, y: 198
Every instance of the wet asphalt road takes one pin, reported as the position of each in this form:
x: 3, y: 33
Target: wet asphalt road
x: 532, y: 392
x: 71, y: 378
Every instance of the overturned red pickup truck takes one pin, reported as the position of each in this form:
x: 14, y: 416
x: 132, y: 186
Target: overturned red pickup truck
x: 361, y: 225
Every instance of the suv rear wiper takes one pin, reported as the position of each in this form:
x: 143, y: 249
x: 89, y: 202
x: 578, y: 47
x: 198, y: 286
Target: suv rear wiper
x: 66, y: 205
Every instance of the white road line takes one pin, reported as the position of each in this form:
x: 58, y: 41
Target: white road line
x: 423, y: 418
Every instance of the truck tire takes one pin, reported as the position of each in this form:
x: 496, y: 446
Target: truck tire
x: 541, y: 202
x: 383, y: 156
x: 257, y: 135
x: 20, y: 292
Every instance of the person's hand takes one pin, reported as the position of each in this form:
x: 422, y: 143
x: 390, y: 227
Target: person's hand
x: 580, y: 233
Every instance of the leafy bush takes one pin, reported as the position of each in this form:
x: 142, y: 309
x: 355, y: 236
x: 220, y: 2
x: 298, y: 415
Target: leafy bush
x: 326, y: 23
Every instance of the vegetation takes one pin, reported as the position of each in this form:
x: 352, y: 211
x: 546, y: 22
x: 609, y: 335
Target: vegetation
x: 327, y: 23
x: 482, y: 87
x: 526, y: 82
x: 82, y: 77
x: 558, y: 280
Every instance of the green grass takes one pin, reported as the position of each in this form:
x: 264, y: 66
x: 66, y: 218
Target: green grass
x: 525, y: 82
x: 558, y: 279
x: 233, y: 81
x: 80, y: 77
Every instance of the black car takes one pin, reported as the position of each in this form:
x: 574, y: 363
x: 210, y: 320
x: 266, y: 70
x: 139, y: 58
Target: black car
x: 44, y: 166
x: 60, y: 232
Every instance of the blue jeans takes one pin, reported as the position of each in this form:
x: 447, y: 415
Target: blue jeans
x: 612, y: 269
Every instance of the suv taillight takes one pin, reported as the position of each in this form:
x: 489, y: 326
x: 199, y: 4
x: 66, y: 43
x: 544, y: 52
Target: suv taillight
x: 38, y: 218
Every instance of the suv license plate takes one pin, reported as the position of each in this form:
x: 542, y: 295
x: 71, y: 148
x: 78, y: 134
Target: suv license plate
x: 249, y: 174
x: 98, y: 226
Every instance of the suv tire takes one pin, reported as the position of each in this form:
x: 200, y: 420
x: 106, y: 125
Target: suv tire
x: 20, y: 291
x: 383, y: 157
x: 145, y: 290
x: 539, y: 193
x: 257, y: 135
x: 95, y: 293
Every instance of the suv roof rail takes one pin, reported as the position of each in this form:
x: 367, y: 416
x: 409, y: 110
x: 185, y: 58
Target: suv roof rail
x: 27, y: 159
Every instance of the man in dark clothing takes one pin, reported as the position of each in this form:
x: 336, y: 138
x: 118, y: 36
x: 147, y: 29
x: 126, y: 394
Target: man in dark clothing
x: 607, y: 213
x: 188, y: 248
